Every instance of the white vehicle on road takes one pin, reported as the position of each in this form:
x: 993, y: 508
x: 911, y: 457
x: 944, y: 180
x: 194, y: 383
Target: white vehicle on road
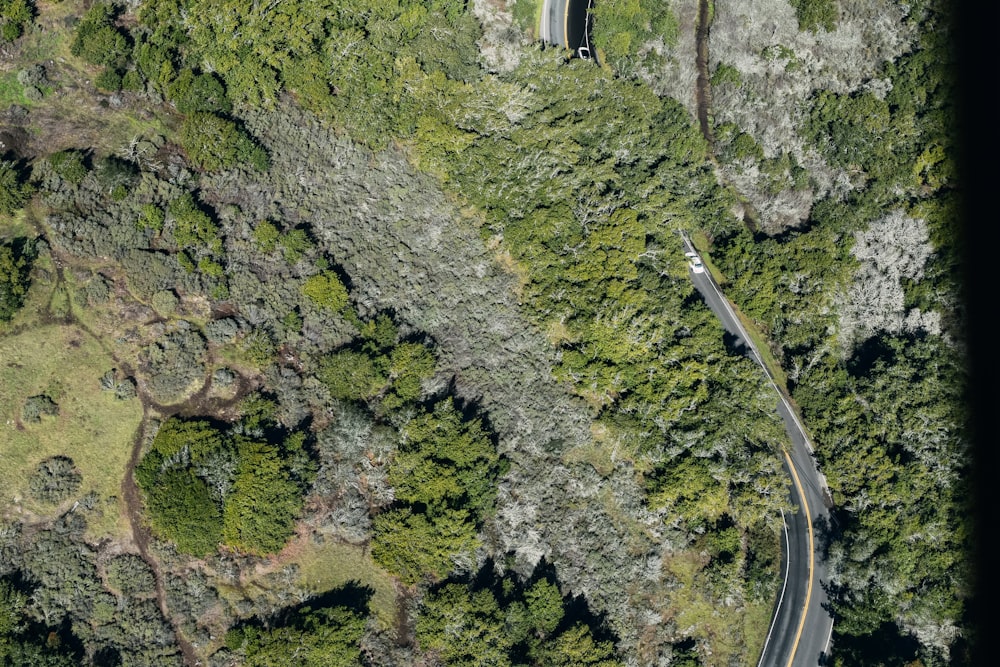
x: 695, y: 262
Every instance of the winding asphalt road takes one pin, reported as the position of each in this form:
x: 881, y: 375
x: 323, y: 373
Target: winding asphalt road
x: 563, y: 23
x: 800, y: 631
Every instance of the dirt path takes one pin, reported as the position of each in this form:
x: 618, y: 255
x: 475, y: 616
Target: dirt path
x: 703, y: 92
x: 703, y: 96
x: 133, y: 506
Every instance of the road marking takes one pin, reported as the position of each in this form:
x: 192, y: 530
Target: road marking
x: 781, y: 598
x: 566, y: 25
x: 809, y: 590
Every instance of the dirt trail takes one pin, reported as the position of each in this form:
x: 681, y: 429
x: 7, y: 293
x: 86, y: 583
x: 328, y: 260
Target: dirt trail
x: 198, y: 403
x: 703, y: 92
x: 703, y: 97
x: 133, y: 505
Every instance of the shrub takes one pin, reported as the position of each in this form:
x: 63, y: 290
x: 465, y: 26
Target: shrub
x: 151, y: 217
x: 815, y: 14
x: 37, y: 406
x: 326, y: 291
x: 33, y: 75
x: 131, y: 575
x: 295, y: 243
x: 54, y: 480
x: 213, y: 142
x: 110, y: 80
x: 133, y: 81
x: 69, y: 165
x: 193, y: 93
x: 222, y: 331
x: 126, y: 390
x: 174, y: 362
x: 265, y: 236
x: 351, y: 375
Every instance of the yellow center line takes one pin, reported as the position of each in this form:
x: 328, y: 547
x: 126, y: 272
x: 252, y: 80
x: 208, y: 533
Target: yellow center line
x: 805, y: 607
x: 566, y: 25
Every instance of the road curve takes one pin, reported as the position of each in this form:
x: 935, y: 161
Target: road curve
x: 801, y: 627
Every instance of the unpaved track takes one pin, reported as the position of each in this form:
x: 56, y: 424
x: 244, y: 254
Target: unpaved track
x: 703, y: 92
x: 133, y: 506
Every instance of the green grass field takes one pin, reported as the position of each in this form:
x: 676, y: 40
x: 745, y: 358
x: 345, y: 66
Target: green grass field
x: 324, y: 567
x: 93, y: 427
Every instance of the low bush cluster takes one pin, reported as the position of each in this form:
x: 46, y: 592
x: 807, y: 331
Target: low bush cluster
x: 55, y: 479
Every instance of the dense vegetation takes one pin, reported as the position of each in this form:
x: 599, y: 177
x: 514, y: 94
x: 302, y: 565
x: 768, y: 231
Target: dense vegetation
x: 324, y: 633
x: 240, y: 486
x: 388, y: 289
x: 883, y: 394
x: 507, y: 621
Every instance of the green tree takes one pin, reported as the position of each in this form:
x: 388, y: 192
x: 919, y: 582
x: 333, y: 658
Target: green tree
x: 98, y: 40
x: 181, y: 509
x: 544, y: 607
x: 15, y: 16
x: 310, y: 637
x: 204, y: 485
x: 464, y: 627
x: 14, y: 192
x: 69, y: 165
x: 213, y: 142
x: 15, y: 268
x: 259, y: 513
x: 409, y: 365
x: 265, y: 236
x: 415, y: 546
x: 326, y: 291
x: 351, y: 375
x: 576, y: 647
x: 193, y: 227
x: 19, y: 645
x: 445, y: 476
x: 203, y: 92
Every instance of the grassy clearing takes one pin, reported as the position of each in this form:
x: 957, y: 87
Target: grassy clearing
x: 698, y: 616
x: 42, y: 352
x: 11, y: 91
x: 93, y: 427
x: 323, y: 567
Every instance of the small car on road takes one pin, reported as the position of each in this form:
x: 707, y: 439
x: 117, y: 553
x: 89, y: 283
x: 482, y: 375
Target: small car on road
x: 694, y: 262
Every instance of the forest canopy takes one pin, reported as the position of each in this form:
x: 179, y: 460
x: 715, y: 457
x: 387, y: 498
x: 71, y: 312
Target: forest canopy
x: 422, y: 371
